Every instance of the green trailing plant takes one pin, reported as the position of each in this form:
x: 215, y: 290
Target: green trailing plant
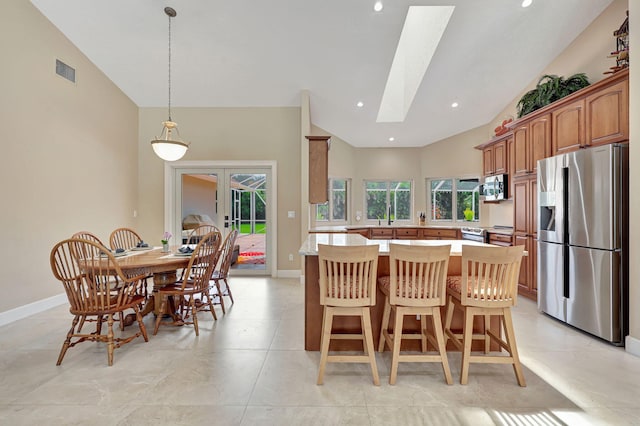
x: 549, y: 89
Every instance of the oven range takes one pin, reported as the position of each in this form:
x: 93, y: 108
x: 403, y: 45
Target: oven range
x: 473, y: 234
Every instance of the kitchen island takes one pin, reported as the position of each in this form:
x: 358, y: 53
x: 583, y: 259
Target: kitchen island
x: 313, y: 309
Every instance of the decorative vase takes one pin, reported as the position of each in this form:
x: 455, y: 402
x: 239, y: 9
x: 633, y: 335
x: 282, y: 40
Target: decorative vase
x: 468, y: 214
x: 165, y: 247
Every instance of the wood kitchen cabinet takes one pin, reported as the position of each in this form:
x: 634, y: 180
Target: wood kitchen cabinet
x: 607, y: 114
x: 599, y: 118
x: 318, y: 169
x: 568, y: 123
x: 406, y: 233
x: 525, y: 228
x: 500, y: 239
x: 494, y: 159
x: 532, y: 142
x: 440, y: 234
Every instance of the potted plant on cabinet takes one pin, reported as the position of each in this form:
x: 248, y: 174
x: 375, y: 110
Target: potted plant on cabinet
x: 549, y: 89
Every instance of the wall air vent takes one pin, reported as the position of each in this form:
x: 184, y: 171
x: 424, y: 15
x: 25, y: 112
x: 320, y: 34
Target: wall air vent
x: 65, y: 71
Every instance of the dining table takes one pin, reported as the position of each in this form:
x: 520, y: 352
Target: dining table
x: 163, y: 266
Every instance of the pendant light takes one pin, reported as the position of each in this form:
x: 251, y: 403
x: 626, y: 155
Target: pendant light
x: 169, y: 146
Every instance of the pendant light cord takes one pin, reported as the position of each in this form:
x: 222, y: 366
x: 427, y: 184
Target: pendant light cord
x: 169, y: 73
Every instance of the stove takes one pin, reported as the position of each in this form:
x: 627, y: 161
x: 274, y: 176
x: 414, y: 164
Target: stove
x: 473, y: 234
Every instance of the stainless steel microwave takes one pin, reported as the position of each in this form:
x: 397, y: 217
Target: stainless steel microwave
x: 495, y: 187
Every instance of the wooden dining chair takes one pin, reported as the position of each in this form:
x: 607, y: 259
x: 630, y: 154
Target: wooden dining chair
x: 221, y: 273
x: 416, y: 286
x: 200, y: 231
x: 194, y: 282
x: 86, y: 235
x: 124, y: 238
x: 487, y: 287
x: 347, y: 288
x: 86, y: 281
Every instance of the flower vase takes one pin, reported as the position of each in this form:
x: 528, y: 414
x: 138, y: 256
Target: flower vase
x: 165, y: 247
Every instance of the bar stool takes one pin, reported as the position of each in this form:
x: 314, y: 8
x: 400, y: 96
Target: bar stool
x: 416, y: 286
x: 488, y: 286
x: 348, y: 287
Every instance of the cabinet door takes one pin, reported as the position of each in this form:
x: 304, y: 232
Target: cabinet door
x: 318, y: 169
x: 500, y: 157
x: 523, y: 278
x: 568, y: 125
x: 511, y: 160
x: 532, y: 195
x: 608, y: 115
x: 521, y: 211
x: 539, y: 140
x: 487, y: 161
x: 520, y: 151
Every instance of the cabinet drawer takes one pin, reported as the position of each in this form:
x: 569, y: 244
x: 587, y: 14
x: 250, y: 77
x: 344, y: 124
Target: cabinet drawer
x: 448, y: 234
x: 381, y: 233
x: 407, y: 233
x: 500, y: 239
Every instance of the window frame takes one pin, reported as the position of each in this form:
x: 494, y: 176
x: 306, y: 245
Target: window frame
x: 387, y: 200
x: 330, y: 204
x: 454, y: 202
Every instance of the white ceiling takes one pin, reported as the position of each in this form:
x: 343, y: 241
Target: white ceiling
x: 239, y: 53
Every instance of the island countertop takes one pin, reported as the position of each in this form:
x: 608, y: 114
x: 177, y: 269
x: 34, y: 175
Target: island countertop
x: 310, y: 245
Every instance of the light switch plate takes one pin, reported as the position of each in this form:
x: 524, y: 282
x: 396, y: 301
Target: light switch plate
x: 291, y: 214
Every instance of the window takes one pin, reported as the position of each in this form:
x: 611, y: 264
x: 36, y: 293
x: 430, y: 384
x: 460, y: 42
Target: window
x: 388, y: 197
x: 445, y: 207
x: 334, y: 210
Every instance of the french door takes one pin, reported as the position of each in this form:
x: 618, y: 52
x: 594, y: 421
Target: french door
x: 237, y: 197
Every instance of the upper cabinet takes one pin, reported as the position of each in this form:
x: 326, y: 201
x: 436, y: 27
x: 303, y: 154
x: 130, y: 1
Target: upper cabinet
x: 531, y: 142
x: 600, y: 117
x: 318, y: 169
x: 494, y: 159
x: 568, y: 127
x: 495, y: 156
x: 607, y: 114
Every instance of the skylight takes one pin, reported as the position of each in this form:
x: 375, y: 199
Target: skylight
x: 422, y: 31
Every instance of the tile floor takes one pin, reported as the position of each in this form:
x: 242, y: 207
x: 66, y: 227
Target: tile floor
x: 250, y: 368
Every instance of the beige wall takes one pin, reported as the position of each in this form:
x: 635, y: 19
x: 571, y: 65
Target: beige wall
x: 69, y: 158
x: 226, y: 134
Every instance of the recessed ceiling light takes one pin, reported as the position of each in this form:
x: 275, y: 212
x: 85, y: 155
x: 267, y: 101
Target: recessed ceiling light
x: 377, y: 6
x: 526, y: 3
x: 360, y: 104
x: 391, y: 139
x: 454, y: 105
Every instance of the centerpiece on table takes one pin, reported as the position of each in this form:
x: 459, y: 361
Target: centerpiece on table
x: 165, y: 241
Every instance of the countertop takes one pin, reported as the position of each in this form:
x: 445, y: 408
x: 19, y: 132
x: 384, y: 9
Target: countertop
x: 310, y: 245
x: 345, y: 228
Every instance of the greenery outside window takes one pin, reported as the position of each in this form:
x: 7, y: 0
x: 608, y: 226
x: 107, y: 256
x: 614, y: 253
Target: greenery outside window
x: 388, y: 197
x: 334, y: 210
x: 446, y: 207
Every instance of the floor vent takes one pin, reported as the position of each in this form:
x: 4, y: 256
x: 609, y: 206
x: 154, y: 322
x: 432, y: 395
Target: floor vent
x: 65, y: 71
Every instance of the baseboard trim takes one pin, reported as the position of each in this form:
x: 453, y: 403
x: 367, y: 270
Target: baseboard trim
x: 632, y: 345
x: 24, y: 311
x: 288, y: 273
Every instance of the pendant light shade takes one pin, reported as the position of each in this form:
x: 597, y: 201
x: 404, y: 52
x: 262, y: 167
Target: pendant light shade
x: 169, y: 146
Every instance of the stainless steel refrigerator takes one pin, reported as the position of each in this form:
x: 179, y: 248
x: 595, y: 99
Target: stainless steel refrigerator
x: 583, y: 240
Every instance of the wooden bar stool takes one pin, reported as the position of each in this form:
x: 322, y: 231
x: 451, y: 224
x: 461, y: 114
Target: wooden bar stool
x: 416, y: 286
x: 348, y: 287
x: 488, y: 286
